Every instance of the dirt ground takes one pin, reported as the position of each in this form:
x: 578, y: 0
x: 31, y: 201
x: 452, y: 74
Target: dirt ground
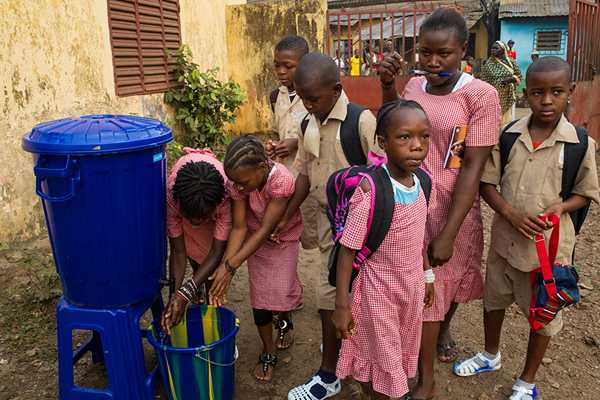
x: 29, y: 290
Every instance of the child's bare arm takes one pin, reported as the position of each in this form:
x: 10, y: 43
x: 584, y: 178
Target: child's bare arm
x: 573, y: 203
x: 212, y: 261
x: 177, y: 260
x: 222, y: 275
x: 301, y: 190
x: 527, y: 225
x: 429, y: 288
x: 342, y: 316
x: 467, y: 184
x: 239, y: 228
x: 389, y: 69
x: 275, y: 210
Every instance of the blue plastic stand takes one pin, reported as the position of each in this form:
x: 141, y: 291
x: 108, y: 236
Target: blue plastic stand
x: 116, y: 340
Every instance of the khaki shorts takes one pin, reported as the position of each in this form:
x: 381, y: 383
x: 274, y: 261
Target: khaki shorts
x: 325, y: 292
x: 505, y: 285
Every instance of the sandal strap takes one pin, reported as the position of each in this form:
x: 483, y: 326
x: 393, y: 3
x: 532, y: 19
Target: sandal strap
x: 267, y: 360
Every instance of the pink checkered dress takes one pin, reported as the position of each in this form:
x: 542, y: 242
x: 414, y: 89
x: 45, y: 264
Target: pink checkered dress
x: 387, y: 299
x: 476, y: 106
x: 273, y: 269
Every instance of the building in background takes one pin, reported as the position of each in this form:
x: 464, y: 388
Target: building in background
x: 535, y: 25
x: 356, y: 24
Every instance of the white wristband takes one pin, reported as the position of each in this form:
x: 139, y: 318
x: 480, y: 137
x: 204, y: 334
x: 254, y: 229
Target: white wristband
x: 429, y: 276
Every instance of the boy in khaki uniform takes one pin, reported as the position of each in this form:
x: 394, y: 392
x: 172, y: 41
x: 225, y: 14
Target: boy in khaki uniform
x: 320, y: 154
x: 530, y: 186
x: 288, y: 112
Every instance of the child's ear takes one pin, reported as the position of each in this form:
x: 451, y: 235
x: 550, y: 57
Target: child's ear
x: 525, y: 93
x: 381, y: 142
x: 337, y: 89
x: 572, y: 88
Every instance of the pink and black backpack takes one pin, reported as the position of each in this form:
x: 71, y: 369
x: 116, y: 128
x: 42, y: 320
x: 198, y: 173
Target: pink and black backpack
x: 340, y: 188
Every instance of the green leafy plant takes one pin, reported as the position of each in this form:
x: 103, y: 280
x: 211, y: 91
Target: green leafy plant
x: 203, y: 104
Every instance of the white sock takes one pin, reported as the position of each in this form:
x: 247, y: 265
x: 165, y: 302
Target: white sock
x: 524, y: 384
x: 490, y: 357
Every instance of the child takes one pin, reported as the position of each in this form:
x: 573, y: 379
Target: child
x: 383, y: 324
x: 198, y: 224
x: 260, y: 190
x: 288, y: 111
x: 320, y: 154
x: 530, y: 185
x: 454, y: 225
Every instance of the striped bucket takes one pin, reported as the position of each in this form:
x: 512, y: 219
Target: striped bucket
x: 198, y: 360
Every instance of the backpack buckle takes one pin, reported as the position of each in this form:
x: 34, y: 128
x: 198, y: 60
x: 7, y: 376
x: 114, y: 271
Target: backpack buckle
x: 549, y: 281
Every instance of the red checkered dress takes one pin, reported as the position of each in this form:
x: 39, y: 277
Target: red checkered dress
x: 387, y: 299
x: 476, y: 106
x: 273, y: 269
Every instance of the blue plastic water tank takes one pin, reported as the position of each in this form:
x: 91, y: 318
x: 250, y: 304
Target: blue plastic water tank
x: 102, y: 183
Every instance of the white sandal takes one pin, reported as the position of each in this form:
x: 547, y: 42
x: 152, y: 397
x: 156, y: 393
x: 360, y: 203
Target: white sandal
x: 303, y: 392
x: 521, y: 393
x: 476, y: 365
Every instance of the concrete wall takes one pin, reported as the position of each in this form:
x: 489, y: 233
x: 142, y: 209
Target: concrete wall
x: 253, y: 30
x: 56, y: 61
x: 523, y: 30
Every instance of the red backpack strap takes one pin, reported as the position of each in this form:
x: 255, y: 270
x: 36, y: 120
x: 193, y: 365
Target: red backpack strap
x: 547, y: 260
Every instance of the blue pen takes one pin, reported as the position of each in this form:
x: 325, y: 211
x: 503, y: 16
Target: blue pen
x: 443, y: 74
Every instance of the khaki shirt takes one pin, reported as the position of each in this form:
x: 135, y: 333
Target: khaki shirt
x: 532, y: 182
x: 287, y: 116
x: 331, y: 156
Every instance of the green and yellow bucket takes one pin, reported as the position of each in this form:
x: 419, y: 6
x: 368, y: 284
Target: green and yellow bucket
x: 197, y: 362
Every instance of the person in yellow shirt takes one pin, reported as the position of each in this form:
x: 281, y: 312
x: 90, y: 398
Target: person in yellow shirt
x: 355, y: 64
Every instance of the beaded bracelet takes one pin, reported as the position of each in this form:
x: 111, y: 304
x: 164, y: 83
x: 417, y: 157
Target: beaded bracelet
x: 189, y: 291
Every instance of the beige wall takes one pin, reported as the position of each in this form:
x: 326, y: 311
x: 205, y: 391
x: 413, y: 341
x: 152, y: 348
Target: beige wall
x: 55, y: 61
x: 252, y: 33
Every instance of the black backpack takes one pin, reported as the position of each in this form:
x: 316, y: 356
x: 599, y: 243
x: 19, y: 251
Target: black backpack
x: 349, y: 135
x: 574, y: 154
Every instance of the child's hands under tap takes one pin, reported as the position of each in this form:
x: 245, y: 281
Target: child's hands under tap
x: 221, y: 280
x: 173, y: 313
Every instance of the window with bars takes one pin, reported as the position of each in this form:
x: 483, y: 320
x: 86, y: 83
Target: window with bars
x: 548, y: 40
x: 141, y: 31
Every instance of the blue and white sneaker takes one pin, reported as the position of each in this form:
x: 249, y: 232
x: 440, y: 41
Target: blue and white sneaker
x: 477, y: 364
x: 315, y: 389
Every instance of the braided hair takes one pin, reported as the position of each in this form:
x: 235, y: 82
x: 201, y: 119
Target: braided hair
x: 386, y: 110
x: 199, y: 187
x: 244, y: 151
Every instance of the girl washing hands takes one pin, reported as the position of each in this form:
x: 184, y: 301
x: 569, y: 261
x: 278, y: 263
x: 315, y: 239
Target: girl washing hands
x: 260, y: 189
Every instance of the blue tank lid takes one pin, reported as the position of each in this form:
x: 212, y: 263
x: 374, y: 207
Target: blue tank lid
x: 96, y: 134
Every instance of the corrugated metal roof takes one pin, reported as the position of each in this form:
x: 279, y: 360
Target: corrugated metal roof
x: 533, y: 8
